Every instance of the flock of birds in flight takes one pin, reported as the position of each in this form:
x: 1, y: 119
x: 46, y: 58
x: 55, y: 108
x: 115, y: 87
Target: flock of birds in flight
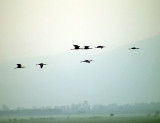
x: 76, y: 47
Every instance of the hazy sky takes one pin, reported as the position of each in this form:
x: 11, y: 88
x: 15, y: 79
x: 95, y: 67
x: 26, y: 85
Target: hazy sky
x: 31, y: 28
x: 40, y: 27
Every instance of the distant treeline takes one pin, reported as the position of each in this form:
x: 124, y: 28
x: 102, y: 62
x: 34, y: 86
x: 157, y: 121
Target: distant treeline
x: 82, y: 108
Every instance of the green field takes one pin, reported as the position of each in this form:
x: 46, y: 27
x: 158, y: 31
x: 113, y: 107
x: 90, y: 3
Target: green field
x: 83, y: 119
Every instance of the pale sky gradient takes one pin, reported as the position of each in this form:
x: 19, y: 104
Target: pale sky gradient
x: 31, y: 28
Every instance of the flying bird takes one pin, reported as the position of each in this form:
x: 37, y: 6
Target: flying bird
x: 76, y: 47
x: 87, y: 47
x: 134, y: 48
x: 100, y: 47
x: 41, y: 65
x: 19, y: 66
x: 87, y: 61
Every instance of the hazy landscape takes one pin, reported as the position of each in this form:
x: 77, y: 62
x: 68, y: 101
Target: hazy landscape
x: 79, y: 61
x: 83, y: 112
x: 145, y: 84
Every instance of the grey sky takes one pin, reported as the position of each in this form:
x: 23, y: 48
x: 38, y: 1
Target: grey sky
x: 45, y: 30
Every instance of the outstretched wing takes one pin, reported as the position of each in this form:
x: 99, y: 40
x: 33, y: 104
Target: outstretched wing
x: 134, y: 48
x: 84, y: 61
x: 100, y: 46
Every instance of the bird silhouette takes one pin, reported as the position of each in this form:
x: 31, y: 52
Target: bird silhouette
x: 19, y: 66
x: 134, y: 48
x: 87, y: 61
x: 41, y: 65
x: 76, y: 47
x: 100, y: 47
x: 87, y: 47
